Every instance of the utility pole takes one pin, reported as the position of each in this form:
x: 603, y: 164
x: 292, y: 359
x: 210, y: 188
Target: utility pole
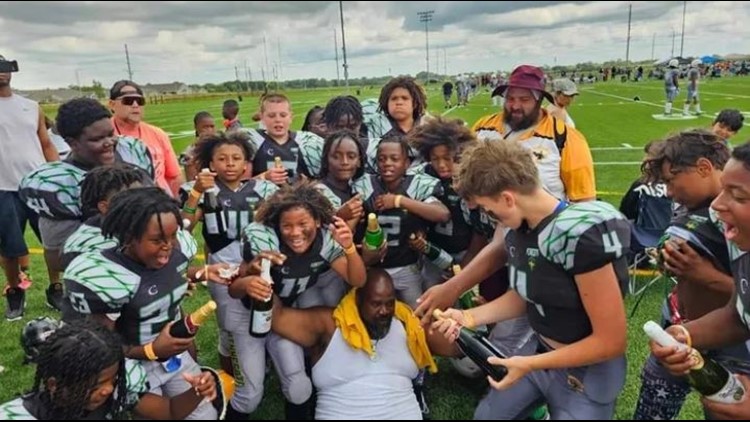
x: 336, y: 51
x: 426, y: 17
x: 78, y: 82
x: 653, y: 45
x: 265, y: 53
x: 682, y: 37
x: 627, y: 49
x: 343, y: 44
x: 673, y: 37
x: 278, y: 54
x: 445, y: 62
x: 127, y: 59
x: 237, y: 76
x: 247, y: 77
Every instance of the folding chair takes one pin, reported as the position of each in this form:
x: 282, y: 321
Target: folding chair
x: 654, y: 215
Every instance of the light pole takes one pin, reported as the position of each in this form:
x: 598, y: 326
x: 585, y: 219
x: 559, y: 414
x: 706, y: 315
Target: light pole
x: 426, y: 17
x: 343, y: 45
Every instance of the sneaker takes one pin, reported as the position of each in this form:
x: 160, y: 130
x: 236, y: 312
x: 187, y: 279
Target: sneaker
x: 55, y: 296
x: 16, y: 299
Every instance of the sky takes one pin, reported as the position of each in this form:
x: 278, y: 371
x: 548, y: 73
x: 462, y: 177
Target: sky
x: 59, y: 43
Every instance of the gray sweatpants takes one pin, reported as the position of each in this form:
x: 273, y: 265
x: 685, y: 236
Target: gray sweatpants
x: 170, y: 384
x: 587, y: 392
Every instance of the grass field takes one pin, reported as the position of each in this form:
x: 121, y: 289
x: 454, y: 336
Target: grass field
x: 616, y: 128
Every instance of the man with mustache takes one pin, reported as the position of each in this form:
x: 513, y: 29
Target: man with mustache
x: 561, y: 152
x: 363, y: 353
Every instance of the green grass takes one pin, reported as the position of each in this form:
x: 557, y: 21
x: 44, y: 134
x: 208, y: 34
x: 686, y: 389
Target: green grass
x: 604, y: 112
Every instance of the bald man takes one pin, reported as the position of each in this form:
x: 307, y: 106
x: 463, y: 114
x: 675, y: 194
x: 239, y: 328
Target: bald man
x: 352, y: 383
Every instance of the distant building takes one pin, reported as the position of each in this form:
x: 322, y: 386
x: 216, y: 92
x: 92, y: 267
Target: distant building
x: 174, y: 88
x: 57, y: 96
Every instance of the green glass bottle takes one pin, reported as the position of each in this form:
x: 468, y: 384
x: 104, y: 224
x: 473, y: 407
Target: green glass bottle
x: 374, y: 236
x: 707, y: 376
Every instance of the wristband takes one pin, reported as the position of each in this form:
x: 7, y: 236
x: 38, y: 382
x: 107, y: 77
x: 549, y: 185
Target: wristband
x: 397, y: 201
x: 188, y: 210
x: 351, y: 250
x: 195, y: 194
x: 148, y: 350
x: 469, y: 321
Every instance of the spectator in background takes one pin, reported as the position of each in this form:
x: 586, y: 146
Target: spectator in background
x: 629, y: 206
x: 447, y: 93
x: 204, y: 125
x: 26, y: 146
x: 564, y: 92
x: 671, y: 86
x: 727, y: 123
x: 230, y: 111
x: 127, y: 103
x: 693, y: 76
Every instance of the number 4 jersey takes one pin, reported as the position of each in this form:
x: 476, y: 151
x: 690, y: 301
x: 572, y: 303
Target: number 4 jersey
x: 108, y: 282
x: 300, y: 271
x: 544, y: 262
x: 53, y: 190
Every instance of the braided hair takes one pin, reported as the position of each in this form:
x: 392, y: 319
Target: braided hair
x: 332, y: 142
x: 343, y: 105
x: 302, y: 195
x: 103, y: 182
x: 204, y: 149
x: 132, y: 209
x: 418, y: 97
x: 74, y: 355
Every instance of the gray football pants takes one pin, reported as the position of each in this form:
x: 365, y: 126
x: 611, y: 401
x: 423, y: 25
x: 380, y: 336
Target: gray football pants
x: 587, y: 392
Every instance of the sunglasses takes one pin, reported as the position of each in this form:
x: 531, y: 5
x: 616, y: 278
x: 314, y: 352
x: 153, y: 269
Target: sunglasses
x: 128, y: 101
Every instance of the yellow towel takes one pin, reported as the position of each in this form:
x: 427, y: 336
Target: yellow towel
x: 355, y: 334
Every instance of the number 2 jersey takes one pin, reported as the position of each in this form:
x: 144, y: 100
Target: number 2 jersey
x: 455, y: 235
x: 300, y: 271
x: 545, y: 260
x: 108, y: 282
x: 397, y: 223
x: 53, y: 190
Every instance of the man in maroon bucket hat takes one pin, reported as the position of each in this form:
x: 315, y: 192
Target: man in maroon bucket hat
x: 561, y: 152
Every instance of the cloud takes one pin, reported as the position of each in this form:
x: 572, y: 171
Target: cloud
x: 199, y: 42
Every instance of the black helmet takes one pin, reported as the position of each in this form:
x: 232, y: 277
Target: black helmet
x: 34, y: 334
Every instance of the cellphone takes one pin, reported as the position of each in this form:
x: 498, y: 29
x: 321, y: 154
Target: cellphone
x: 8, y: 66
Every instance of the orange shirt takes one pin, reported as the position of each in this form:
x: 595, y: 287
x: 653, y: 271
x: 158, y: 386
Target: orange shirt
x: 166, y: 167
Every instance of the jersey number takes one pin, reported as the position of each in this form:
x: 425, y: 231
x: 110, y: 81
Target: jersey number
x: 39, y: 206
x: 291, y: 286
x: 392, y: 228
x: 236, y: 221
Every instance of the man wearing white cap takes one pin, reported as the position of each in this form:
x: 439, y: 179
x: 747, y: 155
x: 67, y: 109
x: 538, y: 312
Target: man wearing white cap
x: 564, y: 92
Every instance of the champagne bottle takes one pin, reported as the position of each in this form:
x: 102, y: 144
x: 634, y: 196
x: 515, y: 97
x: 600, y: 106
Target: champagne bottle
x: 374, y: 236
x: 213, y: 212
x: 707, y: 376
x: 439, y: 257
x: 188, y: 326
x: 262, y: 310
x: 477, y: 348
x: 467, y: 298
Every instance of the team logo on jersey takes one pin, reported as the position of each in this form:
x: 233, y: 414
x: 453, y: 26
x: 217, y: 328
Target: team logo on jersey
x: 512, y: 251
x: 285, y: 270
x: 270, y: 151
x: 153, y: 290
x: 743, y: 286
x: 531, y: 255
x: 540, y: 153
